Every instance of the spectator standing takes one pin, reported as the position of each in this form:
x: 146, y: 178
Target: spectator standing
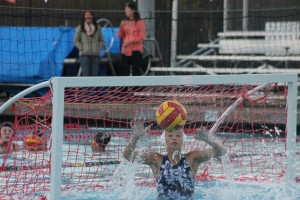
x: 132, y: 32
x: 89, y: 41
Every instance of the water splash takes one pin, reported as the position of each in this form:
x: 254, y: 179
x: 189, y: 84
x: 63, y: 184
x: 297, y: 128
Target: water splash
x: 235, y: 190
x: 123, y: 183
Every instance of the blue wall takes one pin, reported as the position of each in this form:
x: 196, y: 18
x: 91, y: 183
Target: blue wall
x: 34, y: 54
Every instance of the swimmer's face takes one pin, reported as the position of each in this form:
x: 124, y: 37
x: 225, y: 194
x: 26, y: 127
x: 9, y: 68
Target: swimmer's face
x: 174, y: 139
x: 129, y: 12
x: 88, y: 17
x: 6, y: 133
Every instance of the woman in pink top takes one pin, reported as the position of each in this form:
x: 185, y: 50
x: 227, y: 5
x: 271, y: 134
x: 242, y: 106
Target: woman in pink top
x: 132, y: 32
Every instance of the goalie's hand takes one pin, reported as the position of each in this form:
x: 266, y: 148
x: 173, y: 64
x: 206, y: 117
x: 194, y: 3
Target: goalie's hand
x: 138, y: 125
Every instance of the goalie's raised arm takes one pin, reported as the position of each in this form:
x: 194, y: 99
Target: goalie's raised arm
x: 138, y: 130
x: 129, y: 153
x: 218, y: 149
x: 152, y: 159
x: 198, y: 156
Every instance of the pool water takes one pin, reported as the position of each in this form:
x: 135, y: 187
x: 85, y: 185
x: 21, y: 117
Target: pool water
x: 210, y: 190
x: 122, y: 184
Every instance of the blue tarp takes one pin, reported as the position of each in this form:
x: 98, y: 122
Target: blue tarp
x: 34, y: 54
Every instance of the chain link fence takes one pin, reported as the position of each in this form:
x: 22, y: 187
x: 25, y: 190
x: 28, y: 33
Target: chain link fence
x: 198, y: 21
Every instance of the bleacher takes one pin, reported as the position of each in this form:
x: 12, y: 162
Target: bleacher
x: 279, y: 42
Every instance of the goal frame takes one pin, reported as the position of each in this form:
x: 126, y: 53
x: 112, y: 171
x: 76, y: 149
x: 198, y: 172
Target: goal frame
x: 58, y: 85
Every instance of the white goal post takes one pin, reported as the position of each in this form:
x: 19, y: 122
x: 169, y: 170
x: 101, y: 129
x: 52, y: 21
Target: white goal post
x: 59, y: 84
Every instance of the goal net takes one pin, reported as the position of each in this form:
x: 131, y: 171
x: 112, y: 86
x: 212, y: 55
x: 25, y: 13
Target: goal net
x: 251, y: 115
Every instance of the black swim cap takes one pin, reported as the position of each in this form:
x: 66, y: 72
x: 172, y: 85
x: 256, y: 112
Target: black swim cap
x: 102, y: 138
x: 8, y: 124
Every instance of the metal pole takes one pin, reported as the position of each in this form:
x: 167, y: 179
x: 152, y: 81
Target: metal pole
x: 147, y: 11
x: 174, y: 32
x: 245, y: 14
x: 225, y: 16
x: 229, y: 110
x: 291, y: 145
x: 57, y: 140
x: 18, y: 96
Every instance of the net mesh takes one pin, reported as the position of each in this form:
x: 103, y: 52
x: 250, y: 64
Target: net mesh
x: 257, y: 38
x: 254, y: 133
